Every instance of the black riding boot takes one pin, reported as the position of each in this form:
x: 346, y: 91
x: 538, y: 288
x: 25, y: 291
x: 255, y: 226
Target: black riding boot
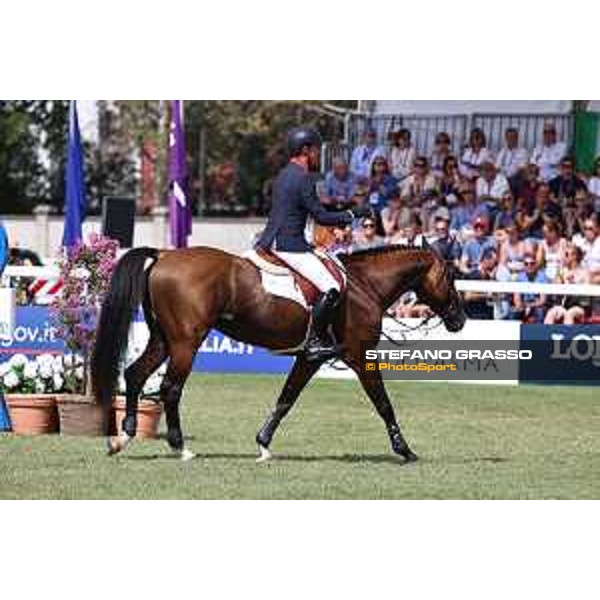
x: 320, y: 345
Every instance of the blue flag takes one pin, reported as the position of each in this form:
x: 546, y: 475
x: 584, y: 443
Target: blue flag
x: 75, y: 205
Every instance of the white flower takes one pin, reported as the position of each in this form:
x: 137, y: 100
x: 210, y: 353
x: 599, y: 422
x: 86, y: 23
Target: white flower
x: 11, y: 380
x: 57, y: 367
x: 18, y: 360
x: 79, y: 373
x: 57, y: 382
x: 5, y: 367
x: 40, y: 386
x: 46, y: 371
x: 31, y: 370
x: 69, y: 360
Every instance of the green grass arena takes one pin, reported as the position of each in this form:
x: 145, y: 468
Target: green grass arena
x: 475, y: 442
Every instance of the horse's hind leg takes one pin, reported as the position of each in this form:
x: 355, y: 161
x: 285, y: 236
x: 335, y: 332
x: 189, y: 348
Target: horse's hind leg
x: 299, y: 376
x: 135, y: 376
x: 180, y: 364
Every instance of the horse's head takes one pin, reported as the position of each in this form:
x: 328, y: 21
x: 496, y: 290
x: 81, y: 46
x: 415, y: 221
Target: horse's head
x: 437, y: 290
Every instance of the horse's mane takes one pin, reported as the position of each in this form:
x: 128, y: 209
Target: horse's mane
x: 380, y: 251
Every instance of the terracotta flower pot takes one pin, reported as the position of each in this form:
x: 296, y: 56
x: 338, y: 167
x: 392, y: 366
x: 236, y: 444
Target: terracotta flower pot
x: 149, y: 414
x: 33, y: 414
x: 80, y: 415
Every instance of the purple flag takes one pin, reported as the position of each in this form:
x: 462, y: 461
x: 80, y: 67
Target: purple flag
x: 180, y: 211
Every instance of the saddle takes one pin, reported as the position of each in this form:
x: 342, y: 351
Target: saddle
x: 279, y: 279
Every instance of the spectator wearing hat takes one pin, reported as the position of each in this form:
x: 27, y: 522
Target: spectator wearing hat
x: 512, y: 158
x: 549, y: 153
x: 421, y: 181
x: 364, y: 155
x: 402, y: 154
x: 339, y: 185
x: 444, y: 242
x: 474, y: 248
x: 441, y: 151
x: 474, y: 155
x: 366, y: 236
x: 567, y: 184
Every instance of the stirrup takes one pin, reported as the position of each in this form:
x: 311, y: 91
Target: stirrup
x: 320, y: 350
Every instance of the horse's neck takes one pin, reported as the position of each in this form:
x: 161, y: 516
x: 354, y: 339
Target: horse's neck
x: 390, y: 276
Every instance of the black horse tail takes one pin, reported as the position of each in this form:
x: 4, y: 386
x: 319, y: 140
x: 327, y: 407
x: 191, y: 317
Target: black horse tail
x: 128, y: 289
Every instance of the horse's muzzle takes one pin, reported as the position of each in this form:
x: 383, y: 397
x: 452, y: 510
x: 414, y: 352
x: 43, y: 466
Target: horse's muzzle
x: 456, y: 322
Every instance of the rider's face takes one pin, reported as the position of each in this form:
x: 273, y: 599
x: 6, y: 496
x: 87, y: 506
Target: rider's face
x: 314, y: 158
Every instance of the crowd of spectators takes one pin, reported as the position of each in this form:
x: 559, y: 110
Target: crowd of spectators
x: 514, y: 216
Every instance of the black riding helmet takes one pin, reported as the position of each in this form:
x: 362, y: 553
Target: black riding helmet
x: 299, y: 137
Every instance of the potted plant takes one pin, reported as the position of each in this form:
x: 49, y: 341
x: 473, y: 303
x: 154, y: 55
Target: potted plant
x: 30, y: 386
x: 86, y: 271
x: 149, y: 408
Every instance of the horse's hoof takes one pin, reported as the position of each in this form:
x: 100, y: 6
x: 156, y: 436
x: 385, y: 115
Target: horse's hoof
x: 409, y: 457
x: 186, y: 455
x: 113, y: 446
x: 265, y: 454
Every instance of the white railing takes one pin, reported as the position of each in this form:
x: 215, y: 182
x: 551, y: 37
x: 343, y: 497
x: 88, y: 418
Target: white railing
x: 524, y: 287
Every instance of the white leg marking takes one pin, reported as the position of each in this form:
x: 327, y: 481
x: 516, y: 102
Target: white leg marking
x: 185, y: 454
x: 265, y: 454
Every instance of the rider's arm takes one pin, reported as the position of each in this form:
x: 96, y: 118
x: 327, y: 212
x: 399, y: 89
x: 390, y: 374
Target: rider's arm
x: 318, y: 212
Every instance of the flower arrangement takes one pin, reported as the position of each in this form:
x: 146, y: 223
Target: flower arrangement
x: 45, y: 374
x: 86, y: 271
x: 153, y: 383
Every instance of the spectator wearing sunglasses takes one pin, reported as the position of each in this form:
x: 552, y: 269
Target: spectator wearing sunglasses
x: 444, y: 242
x: 530, y: 307
x: 567, y: 185
x: 419, y: 183
x: 366, y: 236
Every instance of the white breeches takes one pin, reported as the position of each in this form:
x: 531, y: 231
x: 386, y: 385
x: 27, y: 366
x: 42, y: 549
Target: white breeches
x: 309, y: 266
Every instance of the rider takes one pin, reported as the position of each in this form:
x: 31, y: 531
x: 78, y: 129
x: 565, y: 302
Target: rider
x: 294, y: 199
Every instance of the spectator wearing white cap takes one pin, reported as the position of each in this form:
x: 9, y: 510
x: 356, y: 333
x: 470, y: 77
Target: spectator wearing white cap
x: 512, y: 158
x: 402, y: 154
x: 549, y: 153
x: 364, y: 155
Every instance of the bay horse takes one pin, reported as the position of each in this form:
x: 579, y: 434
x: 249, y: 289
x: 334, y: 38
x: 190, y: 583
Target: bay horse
x: 185, y: 293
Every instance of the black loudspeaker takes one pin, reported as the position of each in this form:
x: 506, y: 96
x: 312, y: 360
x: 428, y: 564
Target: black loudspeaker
x: 118, y: 220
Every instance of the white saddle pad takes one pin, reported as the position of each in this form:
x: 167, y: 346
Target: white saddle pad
x: 276, y: 280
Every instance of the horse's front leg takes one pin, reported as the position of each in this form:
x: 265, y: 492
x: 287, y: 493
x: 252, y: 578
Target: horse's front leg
x: 373, y: 386
x: 299, y: 376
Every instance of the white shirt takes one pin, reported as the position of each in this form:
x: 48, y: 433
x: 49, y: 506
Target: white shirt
x: 547, y: 158
x: 497, y: 188
x: 401, y: 161
x: 511, y: 160
x: 362, y: 158
x: 592, y: 256
x: 471, y: 160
